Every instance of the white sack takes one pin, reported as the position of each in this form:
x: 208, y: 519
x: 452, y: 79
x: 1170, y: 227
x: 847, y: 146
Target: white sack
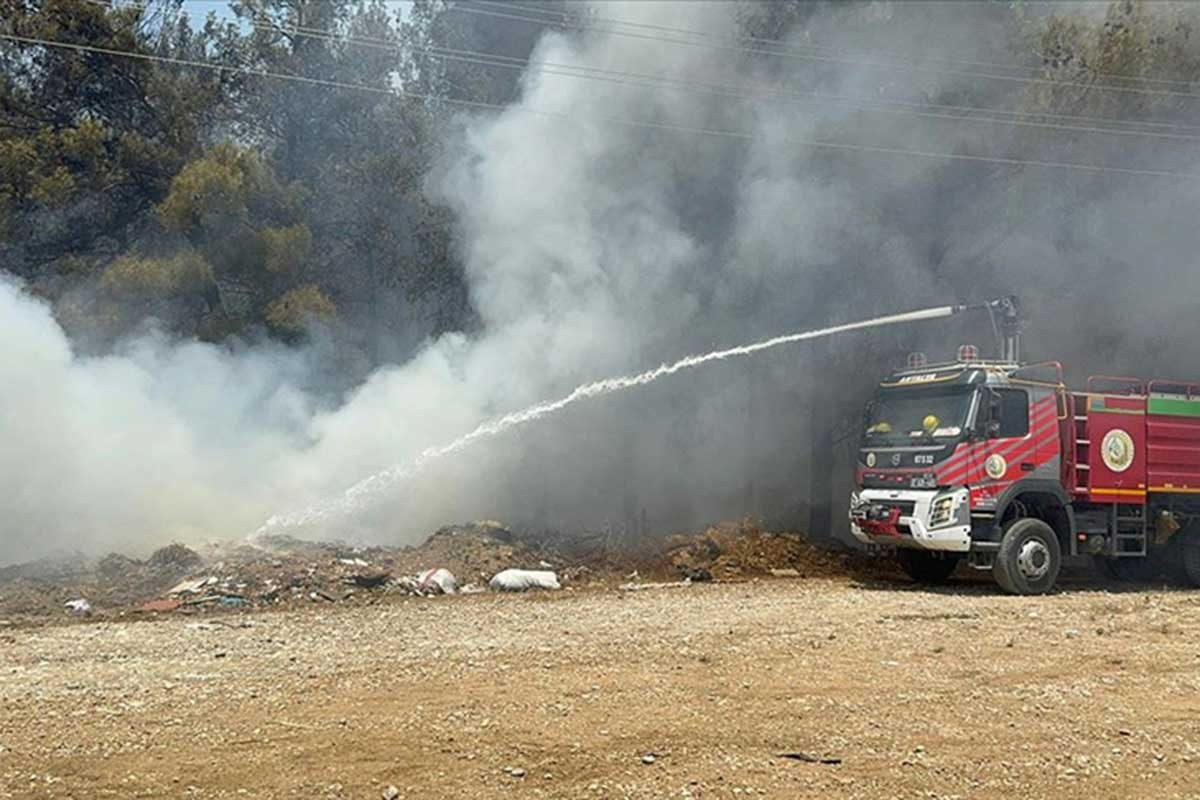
x: 518, y: 580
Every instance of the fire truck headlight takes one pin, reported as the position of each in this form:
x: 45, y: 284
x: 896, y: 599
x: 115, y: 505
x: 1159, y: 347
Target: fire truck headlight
x: 942, y: 512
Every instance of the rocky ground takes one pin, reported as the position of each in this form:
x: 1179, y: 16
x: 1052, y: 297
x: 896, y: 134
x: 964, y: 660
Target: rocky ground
x: 784, y: 687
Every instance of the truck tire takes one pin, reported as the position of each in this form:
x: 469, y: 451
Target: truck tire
x: 926, y: 567
x: 1191, y: 556
x: 1029, y: 558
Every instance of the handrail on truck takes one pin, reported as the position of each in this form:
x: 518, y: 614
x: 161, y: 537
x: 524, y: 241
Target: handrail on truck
x: 1190, y: 390
x: 1128, y: 385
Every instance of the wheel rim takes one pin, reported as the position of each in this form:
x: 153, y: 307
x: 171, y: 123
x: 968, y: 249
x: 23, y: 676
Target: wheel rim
x: 1033, y: 559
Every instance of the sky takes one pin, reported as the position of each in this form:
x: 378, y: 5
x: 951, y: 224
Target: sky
x: 199, y: 9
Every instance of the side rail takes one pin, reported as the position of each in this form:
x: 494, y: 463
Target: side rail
x: 1181, y: 388
x: 1115, y: 384
x: 1042, y: 372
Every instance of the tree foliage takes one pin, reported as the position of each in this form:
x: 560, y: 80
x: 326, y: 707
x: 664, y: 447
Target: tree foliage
x: 89, y: 142
x: 296, y: 308
x: 225, y: 201
x: 222, y: 200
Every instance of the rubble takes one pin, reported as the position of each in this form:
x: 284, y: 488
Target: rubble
x: 368, y: 580
x: 115, y: 566
x: 160, y: 605
x: 743, y: 549
x: 192, y: 585
x: 57, y: 568
x: 174, y: 557
x: 278, y: 570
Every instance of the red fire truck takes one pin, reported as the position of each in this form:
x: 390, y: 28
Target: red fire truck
x: 1000, y: 464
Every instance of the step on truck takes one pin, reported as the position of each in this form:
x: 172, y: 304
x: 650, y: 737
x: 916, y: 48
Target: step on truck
x: 999, y: 464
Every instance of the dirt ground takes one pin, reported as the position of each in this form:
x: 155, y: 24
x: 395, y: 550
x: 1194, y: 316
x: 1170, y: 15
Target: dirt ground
x: 681, y: 692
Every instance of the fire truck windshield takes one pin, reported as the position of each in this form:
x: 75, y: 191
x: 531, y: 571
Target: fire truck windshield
x: 903, y: 415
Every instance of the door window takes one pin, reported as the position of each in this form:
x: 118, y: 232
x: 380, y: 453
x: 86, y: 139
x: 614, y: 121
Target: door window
x: 1012, y: 412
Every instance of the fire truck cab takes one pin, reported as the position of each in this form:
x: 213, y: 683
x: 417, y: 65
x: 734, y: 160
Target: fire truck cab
x: 999, y: 464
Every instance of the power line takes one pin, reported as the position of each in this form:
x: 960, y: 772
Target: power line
x: 836, y: 59
x: 790, y: 96
x: 187, y: 62
x: 646, y: 124
x: 726, y: 90
x: 564, y: 17
x: 953, y: 112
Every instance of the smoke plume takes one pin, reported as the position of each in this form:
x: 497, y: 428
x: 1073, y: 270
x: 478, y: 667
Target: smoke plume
x: 607, y: 234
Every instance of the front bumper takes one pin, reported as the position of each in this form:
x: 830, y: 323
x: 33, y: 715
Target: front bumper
x: 901, y: 518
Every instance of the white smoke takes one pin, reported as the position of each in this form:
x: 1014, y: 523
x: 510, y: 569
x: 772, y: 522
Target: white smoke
x: 113, y: 451
x: 596, y: 248
x: 164, y: 440
x: 370, y: 489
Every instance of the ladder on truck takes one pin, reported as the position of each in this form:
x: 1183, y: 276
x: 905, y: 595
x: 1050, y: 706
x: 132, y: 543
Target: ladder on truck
x: 1079, y: 416
x: 1126, y: 522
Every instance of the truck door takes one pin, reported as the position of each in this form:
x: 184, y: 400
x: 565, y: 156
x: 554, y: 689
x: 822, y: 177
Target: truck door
x: 1006, y: 426
x: 1022, y: 439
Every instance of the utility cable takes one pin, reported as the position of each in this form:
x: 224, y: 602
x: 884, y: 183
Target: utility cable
x: 957, y: 113
x: 562, y: 17
x: 646, y: 124
x: 837, y: 59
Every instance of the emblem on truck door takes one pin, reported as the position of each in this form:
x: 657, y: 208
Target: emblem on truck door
x: 870, y: 459
x: 1117, y: 450
x: 996, y: 466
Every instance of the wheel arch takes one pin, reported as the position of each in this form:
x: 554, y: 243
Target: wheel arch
x: 1045, y: 500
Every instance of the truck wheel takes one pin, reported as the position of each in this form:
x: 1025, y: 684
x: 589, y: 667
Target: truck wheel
x: 1029, y: 557
x: 926, y: 567
x: 1191, y: 557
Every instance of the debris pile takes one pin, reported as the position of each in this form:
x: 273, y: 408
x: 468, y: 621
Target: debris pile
x: 81, y: 586
x: 743, y: 549
x: 277, y: 570
x: 456, y: 559
x: 473, y: 552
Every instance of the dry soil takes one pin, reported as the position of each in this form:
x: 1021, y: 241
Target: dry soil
x: 697, y: 691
